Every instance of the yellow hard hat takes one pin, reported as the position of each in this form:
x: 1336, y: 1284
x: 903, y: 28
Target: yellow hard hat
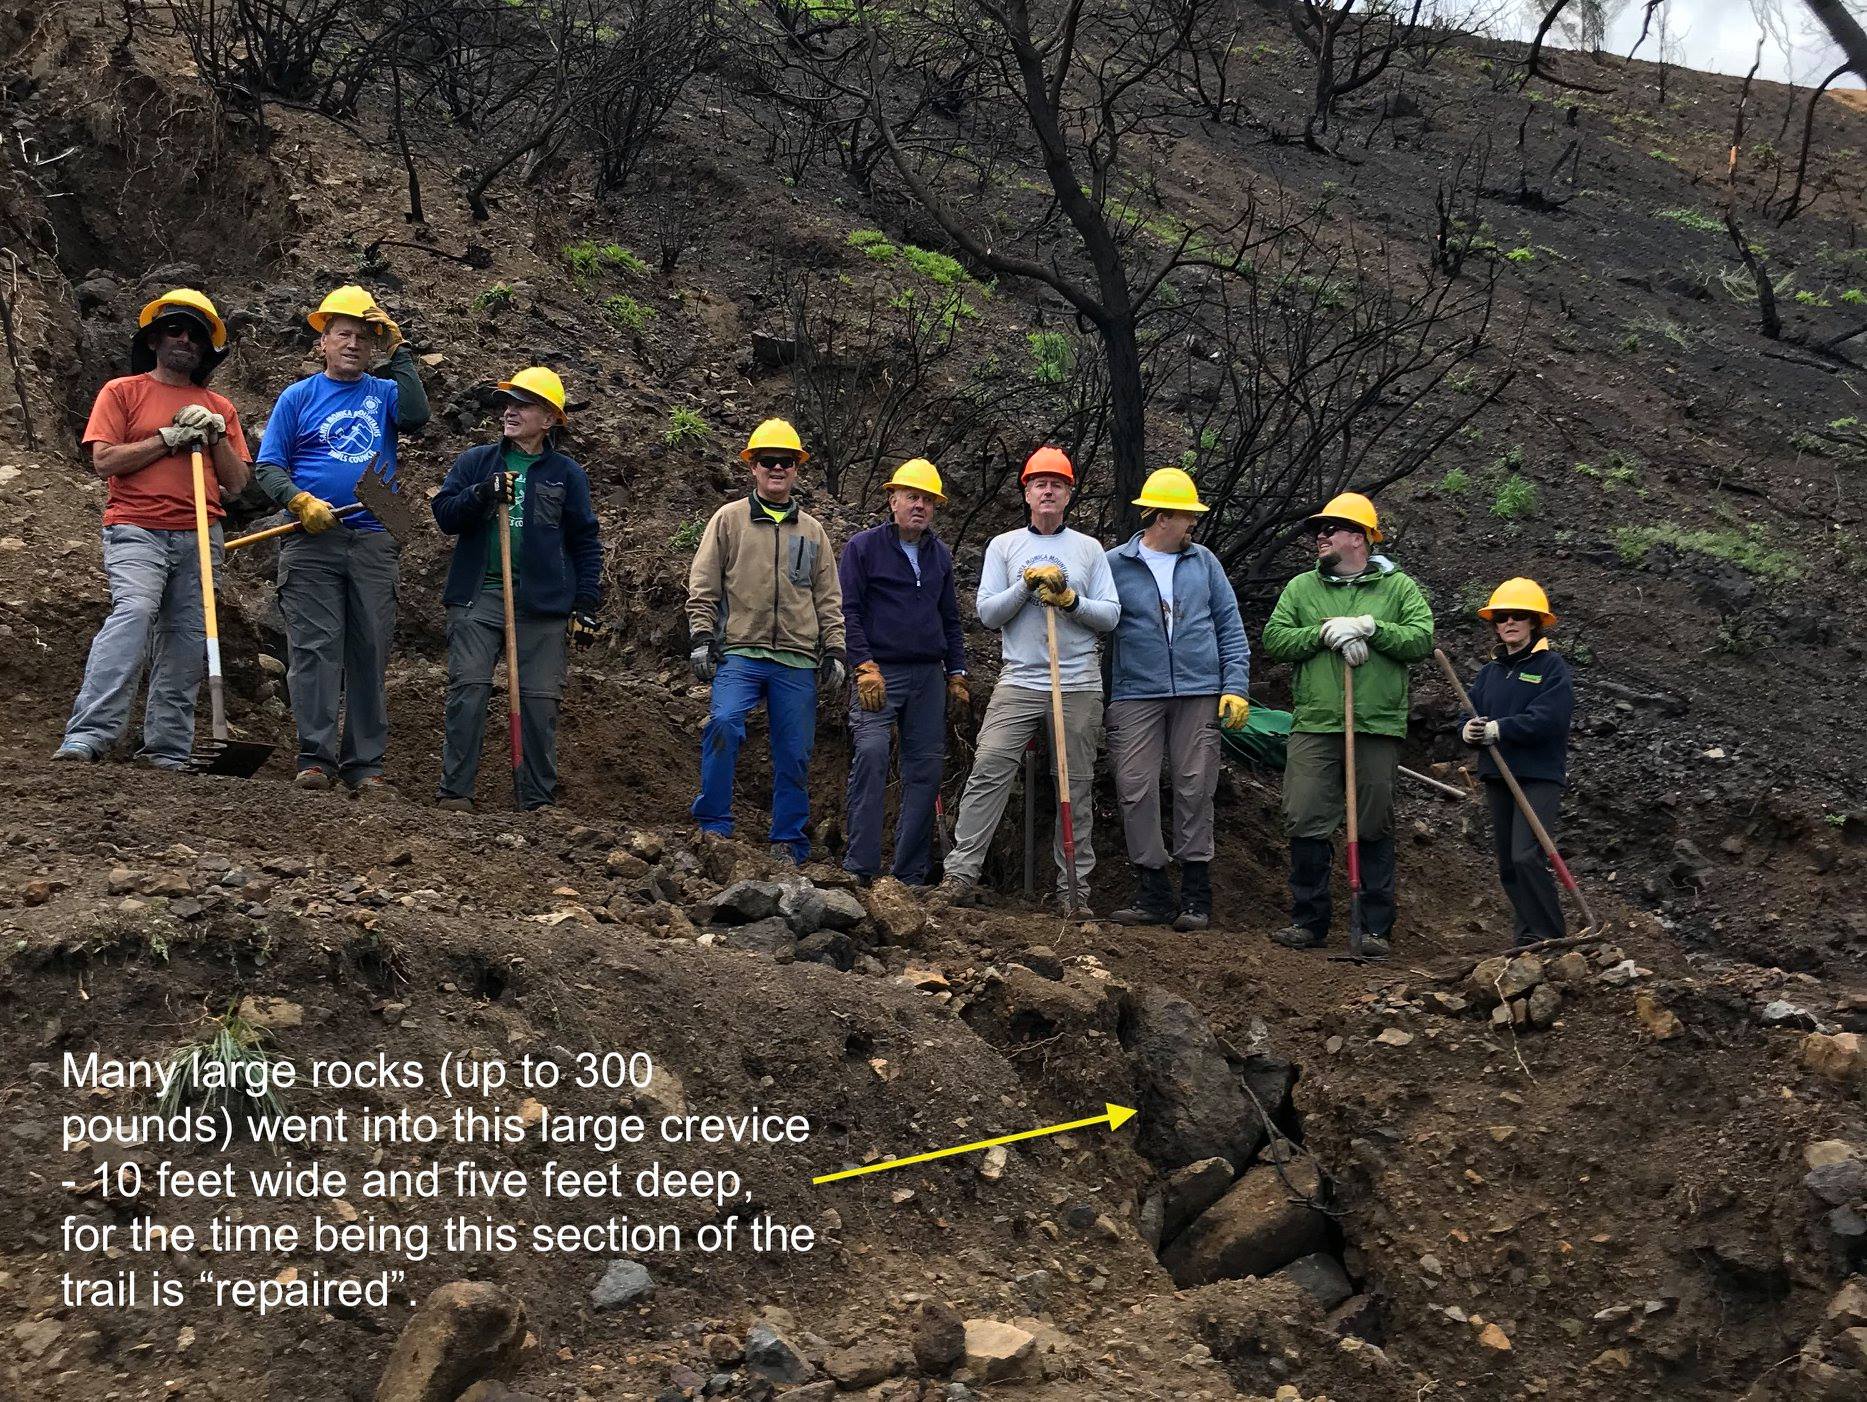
x: 1353, y: 506
x: 1170, y: 489
x: 191, y: 303
x: 774, y: 433
x: 1519, y: 593
x: 537, y: 383
x: 921, y: 475
x: 349, y: 300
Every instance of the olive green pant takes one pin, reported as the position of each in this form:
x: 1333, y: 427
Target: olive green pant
x: 1314, y: 793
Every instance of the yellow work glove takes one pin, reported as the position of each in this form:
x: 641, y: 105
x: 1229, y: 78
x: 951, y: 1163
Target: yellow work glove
x: 388, y: 334
x: 871, y: 690
x: 958, y: 697
x: 1039, y: 577
x: 1056, y: 598
x: 313, y: 513
x: 1233, y: 711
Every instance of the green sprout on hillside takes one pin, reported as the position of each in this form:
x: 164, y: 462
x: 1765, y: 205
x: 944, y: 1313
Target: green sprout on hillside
x: 1691, y: 219
x: 1053, y: 355
x: 687, y: 535
x: 218, y: 1069
x: 685, y: 429
x: 1748, y: 549
x: 1456, y: 483
x: 627, y: 313
x: 875, y: 244
x: 1516, y: 499
x: 1521, y: 255
x: 589, y: 261
x: 493, y: 300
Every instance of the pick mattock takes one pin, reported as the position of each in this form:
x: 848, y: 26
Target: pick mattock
x: 1355, y: 932
x: 1065, y: 822
x: 1523, y: 804
x: 221, y: 755
x: 512, y: 643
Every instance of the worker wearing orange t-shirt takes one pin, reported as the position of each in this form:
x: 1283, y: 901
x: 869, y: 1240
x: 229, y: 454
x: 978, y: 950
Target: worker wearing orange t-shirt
x: 141, y: 435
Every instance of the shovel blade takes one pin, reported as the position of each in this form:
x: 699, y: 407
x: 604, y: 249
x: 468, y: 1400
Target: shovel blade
x: 384, y: 500
x: 237, y: 759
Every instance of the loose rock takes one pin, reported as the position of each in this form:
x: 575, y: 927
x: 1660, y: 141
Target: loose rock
x: 938, y: 1340
x: 772, y: 1356
x: 995, y: 1351
x: 1191, y: 1104
x: 1256, y: 1228
x: 463, y: 1332
x: 622, y: 1282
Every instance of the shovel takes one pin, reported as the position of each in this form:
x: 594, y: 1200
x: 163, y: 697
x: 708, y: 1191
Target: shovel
x: 1065, y: 822
x: 512, y: 648
x: 1543, y: 838
x: 221, y: 755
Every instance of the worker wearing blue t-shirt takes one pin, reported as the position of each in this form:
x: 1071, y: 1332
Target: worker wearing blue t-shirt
x: 337, y: 579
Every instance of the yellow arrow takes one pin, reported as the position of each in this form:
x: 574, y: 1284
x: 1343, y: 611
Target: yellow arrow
x: 1114, y: 1116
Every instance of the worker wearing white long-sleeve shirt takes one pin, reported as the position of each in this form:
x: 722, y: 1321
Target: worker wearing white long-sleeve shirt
x: 1041, y: 566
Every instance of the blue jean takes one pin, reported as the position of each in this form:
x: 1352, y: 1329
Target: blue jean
x: 916, y: 702
x: 790, y: 697
x: 155, y: 593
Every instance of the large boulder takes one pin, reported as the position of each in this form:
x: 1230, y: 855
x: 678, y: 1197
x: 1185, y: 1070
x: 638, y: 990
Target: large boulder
x: 745, y: 901
x: 897, y: 915
x: 1192, y: 1106
x: 1191, y: 1190
x: 1257, y: 1228
x: 463, y: 1332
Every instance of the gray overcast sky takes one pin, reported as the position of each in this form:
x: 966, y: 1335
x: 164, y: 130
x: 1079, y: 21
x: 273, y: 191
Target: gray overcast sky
x: 1721, y: 37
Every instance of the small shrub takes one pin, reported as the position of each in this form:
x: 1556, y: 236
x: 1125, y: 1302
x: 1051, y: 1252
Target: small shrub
x: 493, y: 300
x: 1516, y: 499
x: 1456, y: 483
x: 1511, y: 459
x: 627, y: 313
x: 1051, y: 350
x: 1691, y: 219
x: 685, y: 429
x: 1854, y: 297
x: 935, y: 267
x: 217, y: 1070
x: 589, y: 260
x: 1521, y: 255
x: 687, y: 535
x: 1806, y: 298
x: 875, y: 244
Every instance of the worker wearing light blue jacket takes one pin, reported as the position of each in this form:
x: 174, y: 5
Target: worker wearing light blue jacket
x: 1179, y: 668
x: 1044, y: 565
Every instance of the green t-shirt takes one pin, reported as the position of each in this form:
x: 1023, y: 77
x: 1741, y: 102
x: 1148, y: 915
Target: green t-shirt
x: 520, y: 463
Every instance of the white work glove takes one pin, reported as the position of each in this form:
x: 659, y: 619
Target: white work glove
x: 1336, y: 631
x: 1354, y: 652
x: 175, y: 437
x: 1479, y: 731
x: 213, y: 427
x: 704, y: 660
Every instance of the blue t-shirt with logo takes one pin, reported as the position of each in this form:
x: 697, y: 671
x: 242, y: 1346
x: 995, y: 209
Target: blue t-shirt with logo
x: 325, y: 432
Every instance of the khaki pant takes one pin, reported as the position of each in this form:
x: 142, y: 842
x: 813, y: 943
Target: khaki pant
x: 1012, y: 717
x: 1185, y: 729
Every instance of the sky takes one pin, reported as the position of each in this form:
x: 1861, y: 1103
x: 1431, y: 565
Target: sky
x: 1719, y: 36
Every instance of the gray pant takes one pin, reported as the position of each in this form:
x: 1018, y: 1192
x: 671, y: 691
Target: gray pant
x: 1523, y: 871
x: 337, y: 591
x: 1315, y: 791
x: 155, y: 590
x: 476, y: 640
x: 1186, y: 730
x: 1012, y: 717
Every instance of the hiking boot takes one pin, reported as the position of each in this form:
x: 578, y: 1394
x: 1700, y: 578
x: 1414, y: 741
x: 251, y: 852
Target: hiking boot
x: 1298, y: 937
x: 453, y: 803
x: 1153, y: 903
x: 1059, y: 901
x: 1375, y: 947
x: 373, y: 786
x: 955, y: 891
x: 313, y: 780
x: 1195, y: 896
x: 71, y: 752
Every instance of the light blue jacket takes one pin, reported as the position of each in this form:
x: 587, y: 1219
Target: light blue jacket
x: 1208, y: 654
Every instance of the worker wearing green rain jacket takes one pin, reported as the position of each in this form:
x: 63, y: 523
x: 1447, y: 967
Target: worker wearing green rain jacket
x: 1354, y: 609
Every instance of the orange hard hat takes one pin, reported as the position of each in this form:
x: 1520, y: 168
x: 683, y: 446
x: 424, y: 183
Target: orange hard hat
x: 1048, y: 460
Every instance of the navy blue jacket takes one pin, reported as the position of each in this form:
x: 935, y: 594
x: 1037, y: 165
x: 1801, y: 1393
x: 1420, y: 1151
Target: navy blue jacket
x: 1531, y: 697
x: 1208, y: 654
x: 889, y: 615
x: 560, y: 566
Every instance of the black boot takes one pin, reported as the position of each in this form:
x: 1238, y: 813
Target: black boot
x: 1154, y: 903
x: 1195, y: 896
x: 1310, y: 861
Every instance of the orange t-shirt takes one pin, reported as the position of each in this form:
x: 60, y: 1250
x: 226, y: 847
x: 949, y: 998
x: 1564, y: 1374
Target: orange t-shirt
x: 159, y: 497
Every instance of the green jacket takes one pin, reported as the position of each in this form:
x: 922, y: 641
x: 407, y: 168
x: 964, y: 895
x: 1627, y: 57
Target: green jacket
x: 1403, y: 633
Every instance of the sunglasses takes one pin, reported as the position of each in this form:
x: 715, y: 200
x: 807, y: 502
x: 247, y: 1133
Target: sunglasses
x: 775, y: 464
x: 1336, y: 528
x: 181, y: 326
x: 1513, y: 616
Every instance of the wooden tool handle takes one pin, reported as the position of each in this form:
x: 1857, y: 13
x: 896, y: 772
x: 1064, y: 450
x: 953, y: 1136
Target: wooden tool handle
x: 240, y: 542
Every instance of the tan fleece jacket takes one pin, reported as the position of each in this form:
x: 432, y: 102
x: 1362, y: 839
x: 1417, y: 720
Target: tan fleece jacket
x: 757, y: 582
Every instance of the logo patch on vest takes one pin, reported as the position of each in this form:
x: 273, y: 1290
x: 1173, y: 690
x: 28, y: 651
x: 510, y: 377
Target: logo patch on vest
x: 1529, y: 676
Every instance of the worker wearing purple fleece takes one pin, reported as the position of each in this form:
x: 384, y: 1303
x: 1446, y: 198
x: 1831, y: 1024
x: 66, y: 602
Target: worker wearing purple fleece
x: 901, y: 612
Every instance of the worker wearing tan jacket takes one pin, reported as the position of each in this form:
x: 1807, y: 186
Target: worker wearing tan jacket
x: 765, y: 622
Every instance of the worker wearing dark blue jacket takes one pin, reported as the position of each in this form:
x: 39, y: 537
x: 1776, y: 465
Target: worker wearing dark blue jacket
x: 557, y: 585
x: 901, y: 613
x: 1179, y: 669
x: 1523, y: 697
